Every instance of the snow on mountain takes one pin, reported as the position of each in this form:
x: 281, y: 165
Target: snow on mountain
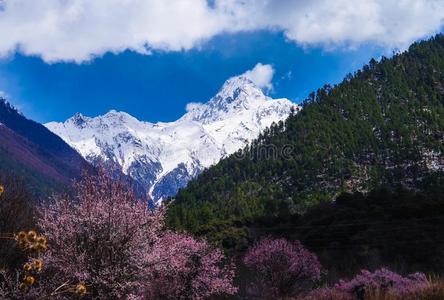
x: 163, y: 157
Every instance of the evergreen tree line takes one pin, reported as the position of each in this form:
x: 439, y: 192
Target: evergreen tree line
x: 382, y: 126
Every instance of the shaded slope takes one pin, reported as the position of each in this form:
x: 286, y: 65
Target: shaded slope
x: 31, y: 151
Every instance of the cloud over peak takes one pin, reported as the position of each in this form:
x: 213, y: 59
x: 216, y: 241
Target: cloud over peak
x: 79, y: 30
x: 261, y: 75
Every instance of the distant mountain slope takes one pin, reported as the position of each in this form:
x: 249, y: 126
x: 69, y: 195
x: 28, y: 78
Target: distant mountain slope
x: 382, y: 126
x: 31, y: 151
x: 163, y: 157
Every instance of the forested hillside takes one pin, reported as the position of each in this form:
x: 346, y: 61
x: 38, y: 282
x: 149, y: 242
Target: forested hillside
x: 382, y: 126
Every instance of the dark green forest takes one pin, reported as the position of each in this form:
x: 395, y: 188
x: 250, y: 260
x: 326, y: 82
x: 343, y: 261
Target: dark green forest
x: 382, y: 126
x: 398, y: 229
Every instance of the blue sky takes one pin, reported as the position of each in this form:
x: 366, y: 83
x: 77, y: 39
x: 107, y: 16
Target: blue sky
x: 158, y: 86
x: 150, y: 59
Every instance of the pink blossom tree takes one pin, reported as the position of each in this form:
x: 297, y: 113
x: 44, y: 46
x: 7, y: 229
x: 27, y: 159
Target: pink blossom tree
x: 195, y: 270
x: 281, y: 268
x: 120, y: 249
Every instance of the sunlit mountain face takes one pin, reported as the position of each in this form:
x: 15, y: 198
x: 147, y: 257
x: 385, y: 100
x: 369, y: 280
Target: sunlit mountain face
x: 163, y: 157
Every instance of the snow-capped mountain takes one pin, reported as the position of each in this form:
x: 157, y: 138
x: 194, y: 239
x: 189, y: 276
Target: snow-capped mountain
x: 163, y: 157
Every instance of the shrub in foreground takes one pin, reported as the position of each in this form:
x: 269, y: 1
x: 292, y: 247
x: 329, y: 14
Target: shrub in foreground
x: 382, y: 279
x: 381, y: 284
x: 281, y: 268
x: 16, y: 214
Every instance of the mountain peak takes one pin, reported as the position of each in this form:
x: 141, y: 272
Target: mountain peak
x: 112, y: 112
x: 8, y: 106
x: 237, y: 94
x: 79, y: 120
x: 237, y: 82
x: 238, y: 88
x: 120, y: 115
x: 78, y: 116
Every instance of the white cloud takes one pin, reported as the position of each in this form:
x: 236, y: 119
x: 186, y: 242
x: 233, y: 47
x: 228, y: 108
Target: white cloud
x: 78, y: 30
x: 261, y: 75
x: 81, y: 29
x: 390, y: 23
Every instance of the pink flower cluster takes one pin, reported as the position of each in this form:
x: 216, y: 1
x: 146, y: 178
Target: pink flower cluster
x: 192, y: 270
x: 121, y: 249
x: 282, y: 268
x: 382, y: 279
x: 367, y: 284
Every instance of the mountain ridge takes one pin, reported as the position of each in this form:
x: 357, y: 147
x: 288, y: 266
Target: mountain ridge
x: 31, y: 151
x: 164, y: 156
